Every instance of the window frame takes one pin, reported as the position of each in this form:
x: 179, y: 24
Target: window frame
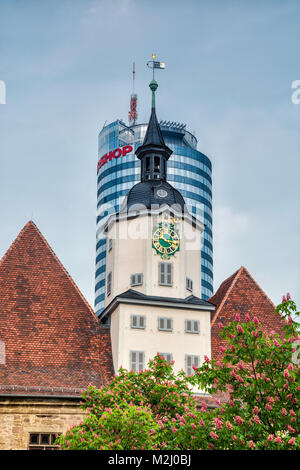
x: 193, y: 362
x: 163, y: 274
x: 192, y: 330
x: 137, y: 361
x: 138, y: 326
x: 109, y: 284
x: 189, y: 284
x: 166, y: 354
x: 165, y: 319
x: 134, y: 282
x: 39, y: 445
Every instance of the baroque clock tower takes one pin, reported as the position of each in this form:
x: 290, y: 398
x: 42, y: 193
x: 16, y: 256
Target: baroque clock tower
x: 153, y: 269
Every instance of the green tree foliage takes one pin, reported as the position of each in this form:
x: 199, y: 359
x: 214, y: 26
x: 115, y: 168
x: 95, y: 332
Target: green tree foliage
x: 155, y: 409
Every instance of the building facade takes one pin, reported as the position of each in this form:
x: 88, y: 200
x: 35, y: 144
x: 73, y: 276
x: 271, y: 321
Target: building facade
x: 189, y: 171
x: 153, y: 268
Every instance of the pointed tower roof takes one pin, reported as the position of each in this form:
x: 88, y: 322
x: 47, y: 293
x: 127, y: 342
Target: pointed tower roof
x: 50, y: 334
x: 153, y: 189
x: 153, y: 140
x: 241, y: 294
x: 153, y: 135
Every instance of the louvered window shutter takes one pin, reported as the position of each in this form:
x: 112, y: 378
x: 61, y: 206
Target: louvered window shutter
x: 141, y: 361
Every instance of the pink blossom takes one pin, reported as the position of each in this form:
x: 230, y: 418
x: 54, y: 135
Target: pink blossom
x: 277, y: 439
x: 220, y: 326
x: 290, y: 366
x: 240, y: 329
x: 270, y: 437
x: 255, y: 410
x: 257, y: 420
x: 193, y: 426
x: 289, y: 427
x: 238, y: 420
x: 292, y: 441
x: 234, y: 437
x: 229, y: 425
x: 222, y: 349
x: 256, y: 321
x: 283, y: 299
x: 292, y: 413
x: 237, y: 317
x: 286, y: 373
x: 276, y: 343
x: 269, y: 406
x: 247, y: 318
x: 284, y: 412
x: 201, y: 422
x: 214, y: 435
x: 173, y: 429
x: 251, y: 444
x: 211, y: 446
x: 204, y: 406
x: 218, y: 423
x: 288, y: 296
x: 206, y: 359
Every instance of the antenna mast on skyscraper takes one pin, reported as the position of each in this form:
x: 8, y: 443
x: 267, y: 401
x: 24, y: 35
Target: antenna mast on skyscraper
x: 132, y: 115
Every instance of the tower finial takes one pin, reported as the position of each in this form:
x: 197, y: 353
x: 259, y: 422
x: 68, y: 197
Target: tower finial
x: 153, y: 87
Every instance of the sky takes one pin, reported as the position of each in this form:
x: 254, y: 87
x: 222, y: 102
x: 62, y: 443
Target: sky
x: 229, y: 71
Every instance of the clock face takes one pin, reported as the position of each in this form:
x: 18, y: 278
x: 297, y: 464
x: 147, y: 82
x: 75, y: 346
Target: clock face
x: 161, y: 193
x: 165, y: 240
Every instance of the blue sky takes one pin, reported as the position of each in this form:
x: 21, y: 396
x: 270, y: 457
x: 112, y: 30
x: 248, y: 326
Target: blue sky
x: 230, y: 65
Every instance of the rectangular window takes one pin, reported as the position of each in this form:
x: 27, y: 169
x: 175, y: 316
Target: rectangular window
x: 136, y: 279
x: 137, y: 360
x: 42, y: 441
x: 189, y: 284
x: 165, y: 274
x: 138, y: 321
x: 165, y: 324
x: 167, y: 356
x: 191, y: 361
x: 108, y: 288
x: 192, y: 326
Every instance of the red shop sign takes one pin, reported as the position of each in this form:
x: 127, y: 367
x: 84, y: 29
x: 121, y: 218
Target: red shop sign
x: 114, y: 154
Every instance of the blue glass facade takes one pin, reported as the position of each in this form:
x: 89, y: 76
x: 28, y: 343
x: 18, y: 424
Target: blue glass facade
x: 188, y: 170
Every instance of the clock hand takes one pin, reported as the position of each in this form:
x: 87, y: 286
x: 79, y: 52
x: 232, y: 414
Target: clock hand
x: 166, y: 241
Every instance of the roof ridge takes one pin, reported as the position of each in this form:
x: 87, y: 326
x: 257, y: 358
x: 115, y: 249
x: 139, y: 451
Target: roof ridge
x: 18, y: 237
x: 29, y: 224
x: 237, y: 274
x: 259, y: 287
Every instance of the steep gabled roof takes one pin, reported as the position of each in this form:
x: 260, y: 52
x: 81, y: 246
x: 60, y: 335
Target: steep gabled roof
x: 241, y: 294
x: 52, y: 337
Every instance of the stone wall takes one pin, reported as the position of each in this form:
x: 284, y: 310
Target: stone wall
x: 20, y: 416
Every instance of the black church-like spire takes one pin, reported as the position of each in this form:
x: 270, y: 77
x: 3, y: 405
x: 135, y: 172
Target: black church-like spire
x: 153, y: 153
x: 153, y: 190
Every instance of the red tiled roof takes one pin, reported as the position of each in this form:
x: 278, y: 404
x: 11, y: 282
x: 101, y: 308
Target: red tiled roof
x: 241, y: 294
x: 52, y: 337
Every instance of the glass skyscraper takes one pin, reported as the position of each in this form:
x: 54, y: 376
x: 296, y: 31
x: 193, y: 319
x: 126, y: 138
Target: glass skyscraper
x: 189, y: 171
